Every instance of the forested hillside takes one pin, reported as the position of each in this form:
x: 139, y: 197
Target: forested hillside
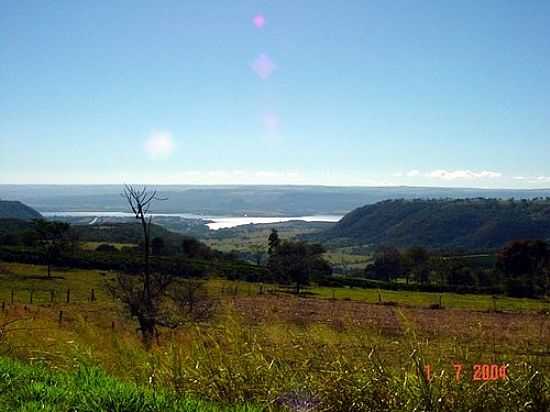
x: 470, y: 223
x: 17, y: 210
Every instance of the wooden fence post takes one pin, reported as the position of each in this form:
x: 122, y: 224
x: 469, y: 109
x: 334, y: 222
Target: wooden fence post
x: 68, y: 295
x: 52, y: 295
x: 60, y: 317
x: 30, y: 300
x: 12, y: 295
x: 92, y: 296
x: 3, y: 306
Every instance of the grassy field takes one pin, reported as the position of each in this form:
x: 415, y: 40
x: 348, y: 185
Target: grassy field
x: 471, y: 302
x: 242, y: 238
x: 25, y: 387
x: 271, y: 349
x: 94, y: 245
x: 425, y: 299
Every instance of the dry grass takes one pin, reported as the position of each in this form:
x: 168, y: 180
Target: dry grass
x: 283, y: 351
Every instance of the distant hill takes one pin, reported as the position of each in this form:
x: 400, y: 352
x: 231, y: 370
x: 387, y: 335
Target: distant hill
x: 17, y: 210
x: 470, y: 223
x: 240, y: 200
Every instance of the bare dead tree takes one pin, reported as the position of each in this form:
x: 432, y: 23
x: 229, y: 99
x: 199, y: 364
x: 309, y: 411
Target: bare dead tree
x: 156, y: 299
x: 140, y: 202
x: 141, y: 294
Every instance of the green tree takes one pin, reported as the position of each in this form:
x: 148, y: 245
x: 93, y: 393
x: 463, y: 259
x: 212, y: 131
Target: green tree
x: 52, y: 239
x: 191, y: 247
x: 298, y: 263
x: 106, y: 248
x: 258, y: 253
x: 416, y: 261
x: 525, y: 267
x: 456, y: 272
x: 8, y: 239
x: 387, y: 264
x: 157, y: 245
x: 30, y: 238
x: 273, y: 241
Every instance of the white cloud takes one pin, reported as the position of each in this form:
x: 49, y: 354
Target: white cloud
x: 533, y: 179
x: 160, y: 144
x: 462, y: 174
x: 277, y: 174
x: 450, y: 174
x: 413, y: 173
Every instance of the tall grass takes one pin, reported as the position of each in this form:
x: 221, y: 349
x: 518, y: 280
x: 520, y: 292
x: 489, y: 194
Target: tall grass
x: 33, y: 388
x: 271, y: 358
x: 319, y: 368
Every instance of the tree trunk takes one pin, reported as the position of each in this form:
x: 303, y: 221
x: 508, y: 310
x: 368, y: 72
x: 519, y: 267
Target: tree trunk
x: 147, y: 323
x: 147, y: 282
x: 147, y: 327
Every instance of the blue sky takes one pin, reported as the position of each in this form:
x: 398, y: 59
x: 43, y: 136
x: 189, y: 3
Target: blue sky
x: 310, y: 92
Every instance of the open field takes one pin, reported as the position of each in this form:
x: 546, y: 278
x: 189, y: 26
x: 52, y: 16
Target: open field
x: 472, y: 302
x: 277, y: 351
x: 94, y: 245
x: 244, y: 237
x: 425, y: 299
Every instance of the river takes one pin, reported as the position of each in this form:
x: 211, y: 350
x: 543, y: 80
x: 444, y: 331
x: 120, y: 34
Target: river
x: 215, y: 222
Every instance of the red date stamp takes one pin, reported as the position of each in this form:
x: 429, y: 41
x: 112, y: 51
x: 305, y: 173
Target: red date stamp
x: 480, y: 372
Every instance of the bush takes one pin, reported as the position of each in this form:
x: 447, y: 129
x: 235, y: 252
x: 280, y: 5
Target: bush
x: 106, y: 248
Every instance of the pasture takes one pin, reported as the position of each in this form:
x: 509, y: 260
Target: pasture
x: 264, y: 348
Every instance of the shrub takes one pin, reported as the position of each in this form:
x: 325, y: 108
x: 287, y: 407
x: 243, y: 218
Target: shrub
x: 106, y: 248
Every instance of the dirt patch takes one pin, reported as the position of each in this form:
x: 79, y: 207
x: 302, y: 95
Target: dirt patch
x: 491, y: 328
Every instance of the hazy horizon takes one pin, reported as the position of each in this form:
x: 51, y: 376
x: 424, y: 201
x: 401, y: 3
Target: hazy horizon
x: 271, y: 185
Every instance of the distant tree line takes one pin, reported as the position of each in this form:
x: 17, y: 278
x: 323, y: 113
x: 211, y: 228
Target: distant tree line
x: 59, y: 244
x: 521, y: 268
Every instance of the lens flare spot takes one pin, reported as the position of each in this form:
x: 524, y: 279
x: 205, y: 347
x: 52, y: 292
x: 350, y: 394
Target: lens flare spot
x: 263, y: 66
x: 271, y: 122
x: 259, y: 21
x: 160, y: 144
